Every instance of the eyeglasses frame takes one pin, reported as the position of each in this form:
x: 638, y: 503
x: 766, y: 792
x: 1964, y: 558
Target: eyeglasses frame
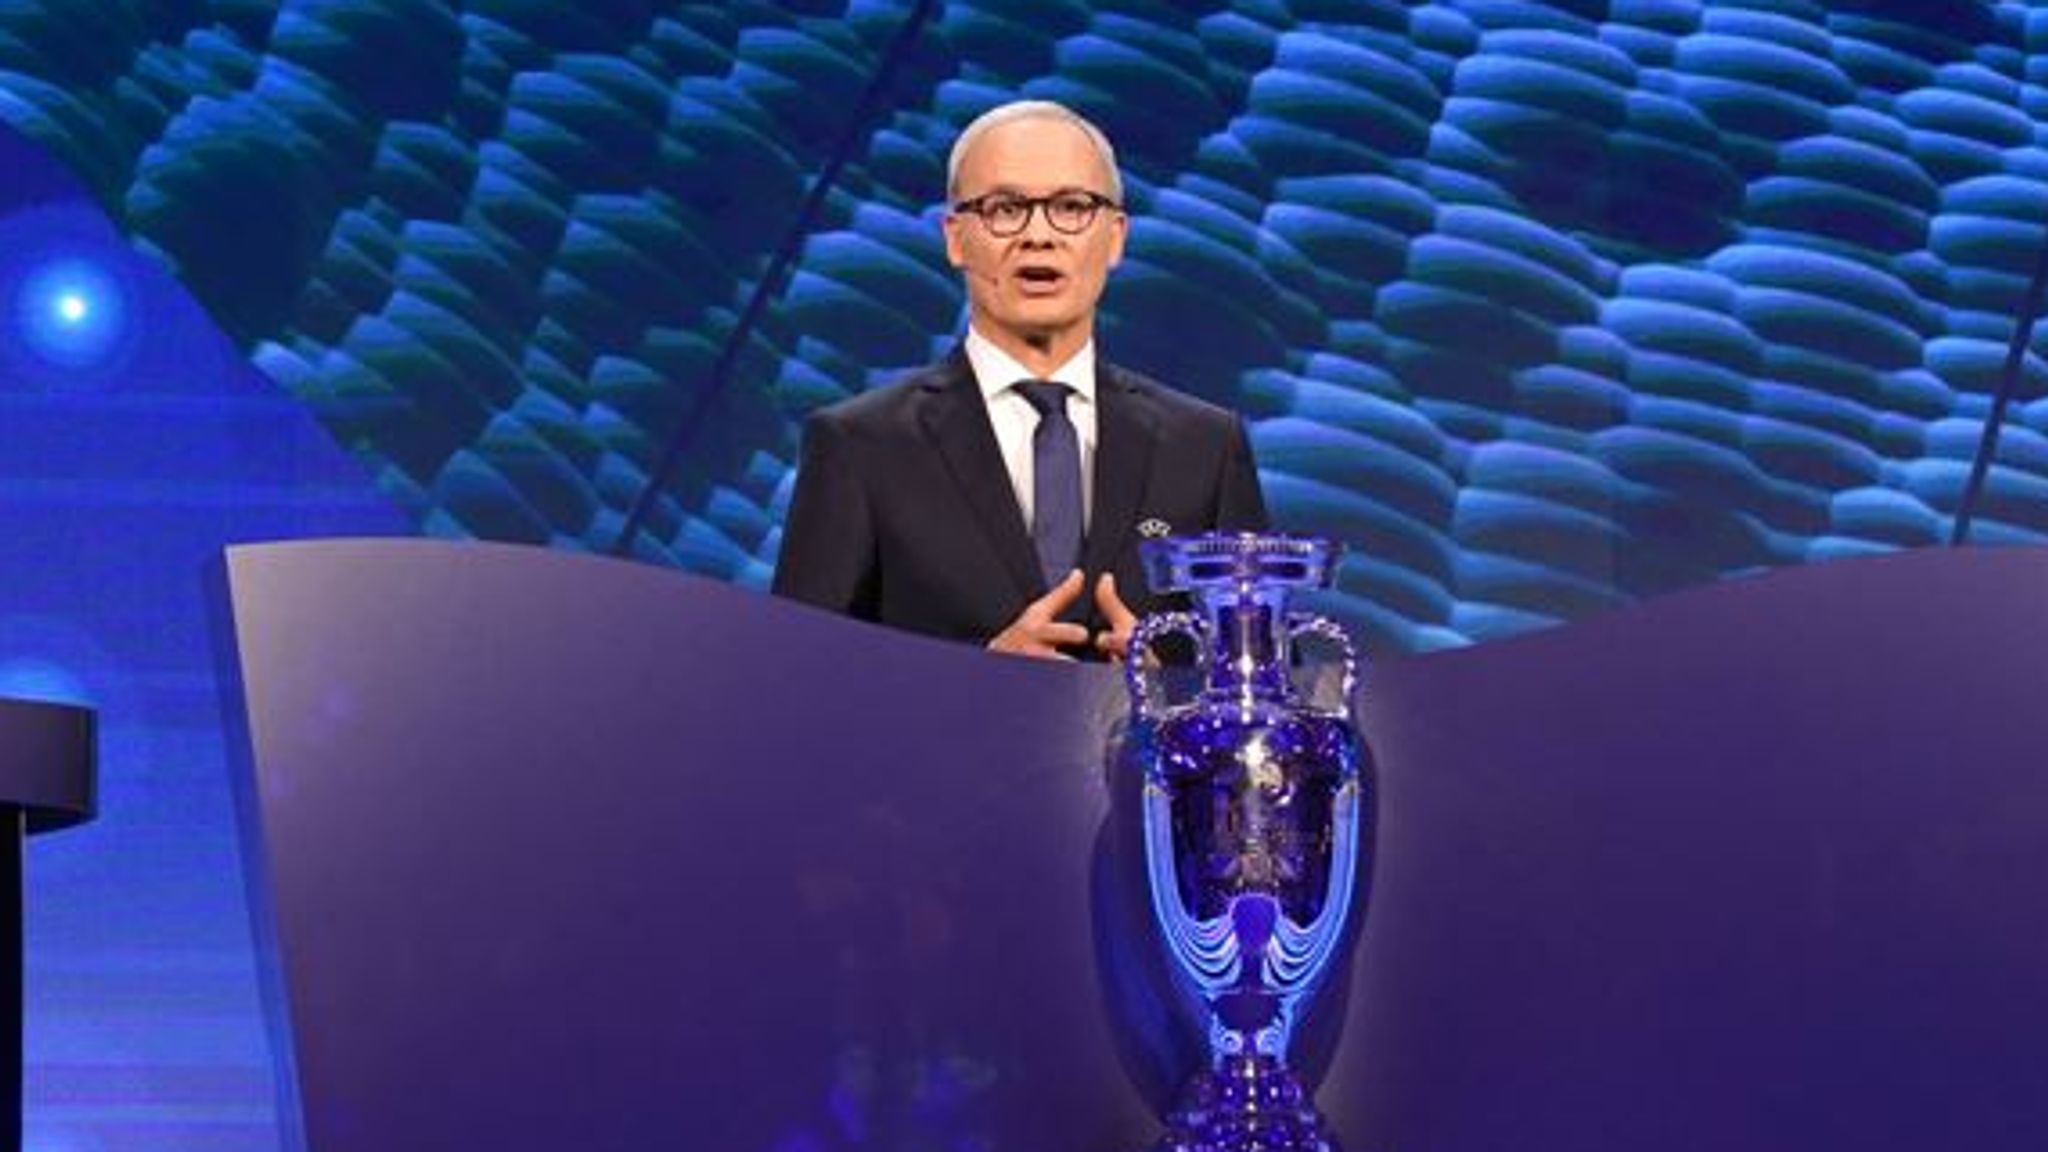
x: 1038, y: 205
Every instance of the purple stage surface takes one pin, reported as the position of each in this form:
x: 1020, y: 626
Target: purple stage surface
x: 567, y: 852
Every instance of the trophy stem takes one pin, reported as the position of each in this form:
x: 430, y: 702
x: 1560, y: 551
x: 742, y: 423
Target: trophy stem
x: 1246, y: 1103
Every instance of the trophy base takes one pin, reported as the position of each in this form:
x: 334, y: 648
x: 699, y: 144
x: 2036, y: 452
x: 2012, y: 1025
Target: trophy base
x: 1246, y: 1104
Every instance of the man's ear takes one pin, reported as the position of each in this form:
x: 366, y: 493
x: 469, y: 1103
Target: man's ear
x: 1121, y: 225
x: 955, y: 255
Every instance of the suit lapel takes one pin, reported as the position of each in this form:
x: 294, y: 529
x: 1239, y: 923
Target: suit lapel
x: 1125, y: 430
x: 955, y: 419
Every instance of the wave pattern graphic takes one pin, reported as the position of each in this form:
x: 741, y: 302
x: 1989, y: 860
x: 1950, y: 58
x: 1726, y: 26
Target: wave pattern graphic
x: 1543, y: 308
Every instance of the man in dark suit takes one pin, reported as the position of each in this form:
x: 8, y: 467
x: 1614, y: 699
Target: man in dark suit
x: 977, y: 499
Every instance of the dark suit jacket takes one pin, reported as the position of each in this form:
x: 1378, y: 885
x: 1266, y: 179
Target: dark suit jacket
x: 904, y: 514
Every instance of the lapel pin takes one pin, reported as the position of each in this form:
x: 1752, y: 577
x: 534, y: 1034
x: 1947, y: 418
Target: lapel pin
x: 1154, y: 528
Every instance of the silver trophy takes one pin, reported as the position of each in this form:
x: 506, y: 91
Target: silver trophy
x: 1255, y: 816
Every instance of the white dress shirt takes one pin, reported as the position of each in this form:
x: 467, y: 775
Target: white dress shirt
x: 1014, y: 419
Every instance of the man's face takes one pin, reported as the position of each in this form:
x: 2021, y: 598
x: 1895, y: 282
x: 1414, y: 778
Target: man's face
x: 1041, y: 283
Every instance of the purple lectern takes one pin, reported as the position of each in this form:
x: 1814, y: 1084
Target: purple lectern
x: 46, y: 783
x: 568, y: 852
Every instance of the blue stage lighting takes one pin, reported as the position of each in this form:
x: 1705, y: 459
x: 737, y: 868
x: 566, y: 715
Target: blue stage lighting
x: 71, y: 313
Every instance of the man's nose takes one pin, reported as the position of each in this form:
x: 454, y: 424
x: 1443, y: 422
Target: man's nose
x: 1038, y: 229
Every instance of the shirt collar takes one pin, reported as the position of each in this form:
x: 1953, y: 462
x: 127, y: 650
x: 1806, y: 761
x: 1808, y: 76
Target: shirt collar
x: 995, y: 370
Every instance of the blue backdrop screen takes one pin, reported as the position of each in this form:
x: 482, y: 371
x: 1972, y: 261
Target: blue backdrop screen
x: 1541, y: 307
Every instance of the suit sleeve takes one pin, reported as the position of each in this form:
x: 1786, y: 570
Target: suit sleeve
x: 1240, y: 505
x: 828, y: 543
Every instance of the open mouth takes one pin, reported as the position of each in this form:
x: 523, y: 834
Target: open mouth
x: 1038, y: 280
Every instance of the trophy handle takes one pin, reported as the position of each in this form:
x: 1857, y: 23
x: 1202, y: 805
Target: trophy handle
x: 1148, y: 631
x: 1301, y: 624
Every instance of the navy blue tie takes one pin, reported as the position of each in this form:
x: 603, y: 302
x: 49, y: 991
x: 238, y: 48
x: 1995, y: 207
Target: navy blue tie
x: 1055, y: 481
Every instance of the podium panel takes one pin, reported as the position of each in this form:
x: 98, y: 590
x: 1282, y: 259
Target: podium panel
x: 571, y: 852
x: 1758, y: 866
x: 568, y: 852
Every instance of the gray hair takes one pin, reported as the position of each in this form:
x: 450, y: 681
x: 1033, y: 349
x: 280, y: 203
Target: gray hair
x: 1031, y: 110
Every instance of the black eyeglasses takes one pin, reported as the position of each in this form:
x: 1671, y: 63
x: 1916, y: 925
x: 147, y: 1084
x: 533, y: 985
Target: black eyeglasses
x: 1006, y: 213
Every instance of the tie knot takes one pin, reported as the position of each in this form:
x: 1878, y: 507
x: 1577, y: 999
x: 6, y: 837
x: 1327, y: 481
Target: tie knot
x: 1048, y: 396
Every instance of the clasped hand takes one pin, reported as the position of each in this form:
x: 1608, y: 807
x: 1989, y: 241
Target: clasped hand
x: 1038, y: 630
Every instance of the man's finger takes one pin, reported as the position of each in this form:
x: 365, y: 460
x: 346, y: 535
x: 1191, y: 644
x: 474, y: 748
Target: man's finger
x: 1043, y: 642
x: 1114, y: 610
x: 1056, y: 600
x: 1055, y: 634
x: 1038, y: 638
